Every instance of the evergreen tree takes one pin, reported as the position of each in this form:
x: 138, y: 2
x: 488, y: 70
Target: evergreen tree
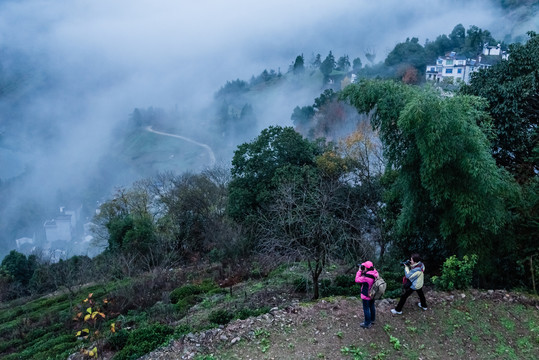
x: 299, y: 65
x: 328, y: 65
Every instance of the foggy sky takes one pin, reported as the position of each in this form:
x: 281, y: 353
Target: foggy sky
x: 105, y: 58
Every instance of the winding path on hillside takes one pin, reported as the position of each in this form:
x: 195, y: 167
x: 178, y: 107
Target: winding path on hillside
x: 205, y: 146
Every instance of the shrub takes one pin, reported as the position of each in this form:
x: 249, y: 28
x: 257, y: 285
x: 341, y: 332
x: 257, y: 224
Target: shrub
x: 246, y: 312
x: 220, y: 317
x: 184, y: 304
x: 456, y: 274
x: 142, y: 341
x: 344, y: 281
x: 184, y: 291
x: 117, y: 340
x: 182, y: 329
x: 324, y: 283
x: 333, y: 290
x: 301, y: 285
x: 208, y: 286
x: 191, y: 289
x: 13, y: 343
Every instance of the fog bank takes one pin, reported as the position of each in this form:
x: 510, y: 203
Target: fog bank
x: 83, y: 66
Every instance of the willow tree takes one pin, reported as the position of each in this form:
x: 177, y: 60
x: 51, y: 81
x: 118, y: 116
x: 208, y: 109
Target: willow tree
x: 451, y: 193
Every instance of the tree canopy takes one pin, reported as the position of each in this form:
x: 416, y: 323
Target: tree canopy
x: 254, y: 167
x: 450, y: 190
x: 511, y: 88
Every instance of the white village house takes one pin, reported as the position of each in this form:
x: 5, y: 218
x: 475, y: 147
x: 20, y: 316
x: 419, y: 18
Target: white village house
x: 62, y: 227
x: 459, y: 68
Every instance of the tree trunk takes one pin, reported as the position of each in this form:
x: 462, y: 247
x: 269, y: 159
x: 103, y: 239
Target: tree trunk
x: 316, y: 288
x: 315, y: 274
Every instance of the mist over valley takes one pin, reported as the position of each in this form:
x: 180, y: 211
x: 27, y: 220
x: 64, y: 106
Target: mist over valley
x: 96, y: 95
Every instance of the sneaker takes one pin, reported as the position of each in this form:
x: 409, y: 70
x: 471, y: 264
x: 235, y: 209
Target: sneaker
x: 393, y: 311
x: 419, y: 304
x: 365, y: 326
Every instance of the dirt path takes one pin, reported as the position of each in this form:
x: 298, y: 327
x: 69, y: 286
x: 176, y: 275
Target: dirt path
x: 205, y: 146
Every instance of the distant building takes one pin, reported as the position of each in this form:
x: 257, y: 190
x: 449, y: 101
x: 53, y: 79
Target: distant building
x: 62, y: 227
x: 459, y: 69
x: 496, y: 50
x: 22, y: 241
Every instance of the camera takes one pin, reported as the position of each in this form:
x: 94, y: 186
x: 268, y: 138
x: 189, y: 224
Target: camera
x: 361, y: 266
x: 405, y: 262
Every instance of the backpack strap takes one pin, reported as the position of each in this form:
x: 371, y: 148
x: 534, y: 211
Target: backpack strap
x: 369, y: 276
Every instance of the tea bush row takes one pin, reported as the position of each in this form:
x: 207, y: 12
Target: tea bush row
x: 141, y: 341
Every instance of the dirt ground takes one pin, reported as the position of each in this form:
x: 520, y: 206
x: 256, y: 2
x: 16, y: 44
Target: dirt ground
x: 472, y: 325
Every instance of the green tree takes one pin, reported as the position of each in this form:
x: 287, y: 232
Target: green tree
x: 19, y: 266
x: 512, y: 91
x: 439, y: 47
x: 511, y: 88
x: 254, y: 165
x: 356, y: 64
x: 299, y: 66
x: 452, y: 194
x: 343, y: 64
x: 302, y: 116
x: 325, y: 98
x: 409, y: 52
x: 476, y: 38
x: 126, y: 222
x: 317, y: 61
x: 458, y: 36
x: 328, y: 65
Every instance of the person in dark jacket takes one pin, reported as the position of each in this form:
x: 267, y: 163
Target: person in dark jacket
x: 413, y: 272
x: 366, y: 276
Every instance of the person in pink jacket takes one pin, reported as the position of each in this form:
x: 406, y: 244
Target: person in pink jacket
x: 366, y: 276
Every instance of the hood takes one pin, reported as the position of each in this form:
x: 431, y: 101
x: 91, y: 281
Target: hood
x: 367, y: 264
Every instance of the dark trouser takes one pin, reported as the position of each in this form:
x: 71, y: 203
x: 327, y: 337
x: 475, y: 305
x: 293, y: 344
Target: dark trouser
x: 408, y: 293
x: 369, y: 311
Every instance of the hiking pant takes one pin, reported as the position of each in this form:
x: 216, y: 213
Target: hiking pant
x: 409, y: 292
x: 369, y: 311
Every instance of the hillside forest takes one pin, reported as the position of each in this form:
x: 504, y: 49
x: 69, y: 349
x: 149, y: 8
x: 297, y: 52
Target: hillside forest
x: 376, y: 169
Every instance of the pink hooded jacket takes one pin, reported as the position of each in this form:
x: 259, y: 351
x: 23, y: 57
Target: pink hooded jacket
x: 365, y: 281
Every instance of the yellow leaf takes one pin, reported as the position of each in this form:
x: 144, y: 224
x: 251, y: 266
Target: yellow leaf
x: 105, y: 301
x: 91, y: 353
x: 113, y: 327
x: 87, y: 317
x: 89, y: 310
x: 102, y: 315
x: 79, y: 333
x: 94, y: 315
x: 87, y: 331
x: 85, y: 300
